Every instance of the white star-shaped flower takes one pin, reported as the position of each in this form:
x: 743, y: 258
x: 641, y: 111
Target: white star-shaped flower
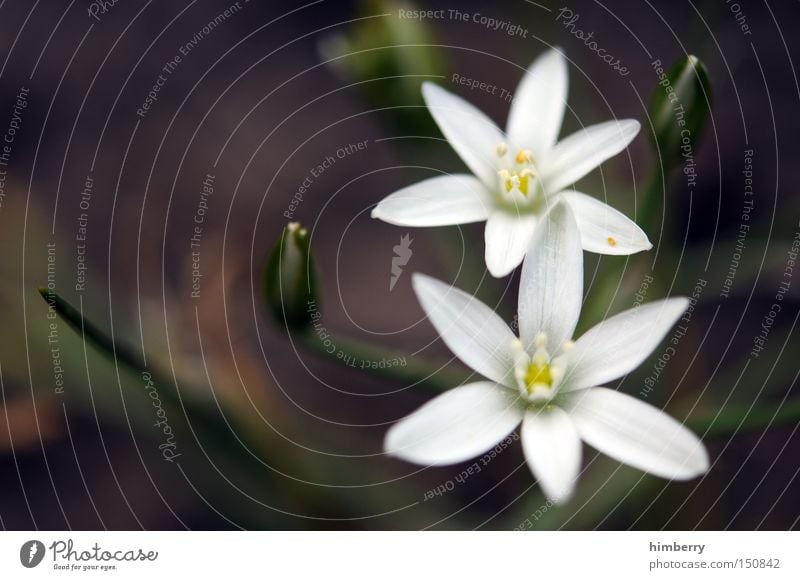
x: 543, y: 379
x: 520, y: 173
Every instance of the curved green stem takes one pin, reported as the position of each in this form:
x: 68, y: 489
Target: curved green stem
x: 436, y: 377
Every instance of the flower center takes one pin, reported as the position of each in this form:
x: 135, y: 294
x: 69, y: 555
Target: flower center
x: 517, y: 173
x: 539, y: 375
x: 518, y: 184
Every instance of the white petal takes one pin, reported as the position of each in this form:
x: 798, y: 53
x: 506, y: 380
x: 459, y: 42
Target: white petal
x: 619, y: 344
x: 445, y: 200
x: 472, y: 134
x: 553, y: 450
x: 469, y: 328
x: 507, y: 238
x: 605, y: 230
x: 455, y: 426
x: 551, y: 286
x: 578, y: 154
x: 539, y: 104
x: 637, y: 434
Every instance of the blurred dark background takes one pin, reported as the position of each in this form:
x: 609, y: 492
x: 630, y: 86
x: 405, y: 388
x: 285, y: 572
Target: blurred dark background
x: 253, y: 103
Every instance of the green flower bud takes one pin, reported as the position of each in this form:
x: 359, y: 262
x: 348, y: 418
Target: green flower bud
x: 290, y: 279
x: 680, y: 108
x: 388, y: 58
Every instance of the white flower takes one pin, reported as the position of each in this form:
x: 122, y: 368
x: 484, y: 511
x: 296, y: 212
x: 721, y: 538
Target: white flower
x: 544, y: 380
x: 519, y: 174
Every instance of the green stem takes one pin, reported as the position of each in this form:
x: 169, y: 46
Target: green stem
x: 746, y: 418
x: 201, y: 419
x: 436, y: 377
x: 652, y: 200
x: 607, y: 282
x: 121, y: 354
x: 88, y: 330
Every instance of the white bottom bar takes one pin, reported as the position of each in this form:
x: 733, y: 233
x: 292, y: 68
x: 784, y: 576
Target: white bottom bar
x: 381, y: 555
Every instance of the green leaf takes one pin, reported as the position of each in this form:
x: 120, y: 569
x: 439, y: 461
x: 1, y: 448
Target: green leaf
x: 89, y: 331
x: 204, y: 422
x: 388, y: 57
x: 290, y: 279
x: 680, y: 107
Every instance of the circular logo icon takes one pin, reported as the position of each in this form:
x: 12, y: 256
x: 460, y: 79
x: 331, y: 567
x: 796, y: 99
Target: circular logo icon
x: 31, y: 553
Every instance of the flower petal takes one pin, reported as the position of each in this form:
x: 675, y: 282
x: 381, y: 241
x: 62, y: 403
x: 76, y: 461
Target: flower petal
x: 455, y: 426
x: 472, y: 134
x: 621, y: 343
x: 445, y: 200
x: 578, y: 154
x: 551, y: 285
x: 507, y: 238
x: 605, y: 230
x: 553, y: 449
x: 637, y: 434
x: 469, y: 328
x: 539, y: 103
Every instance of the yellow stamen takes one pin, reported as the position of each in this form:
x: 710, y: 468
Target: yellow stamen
x: 524, y: 156
x: 502, y: 149
x: 523, y: 184
x: 538, y: 375
x: 521, y: 180
x: 612, y: 241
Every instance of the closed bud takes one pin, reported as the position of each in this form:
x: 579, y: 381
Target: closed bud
x: 386, y: 59
x: 290, y: 279
x: 680, y: 108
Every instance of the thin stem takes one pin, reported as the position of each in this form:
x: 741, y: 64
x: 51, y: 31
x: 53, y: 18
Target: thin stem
x: 653, y: 196
x: 436, y: 377
x: 200, y: 419
x: 608, y: 280
x: 744, y: 418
